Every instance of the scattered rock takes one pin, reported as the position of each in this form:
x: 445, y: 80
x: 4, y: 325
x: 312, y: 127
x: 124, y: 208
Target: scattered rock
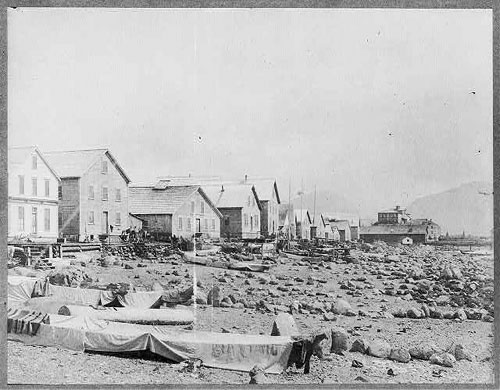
x: 443, y: 359
x: 424, y: 351
x: 461, y: 353
x: 340, y: 306
x: 359, y: 345
x: 379, y: 348
x: 340, y: 340
x: 400, y: 355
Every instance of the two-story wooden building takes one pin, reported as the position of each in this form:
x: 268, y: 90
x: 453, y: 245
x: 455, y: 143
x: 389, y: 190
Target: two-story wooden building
x: 179, y: 211
x: 93, y: 195
x: 267, y: 191
x: 32, y: 196
x: 240, y: 207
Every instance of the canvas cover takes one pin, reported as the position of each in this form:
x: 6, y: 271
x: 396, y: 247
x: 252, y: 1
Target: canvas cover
x: 135, y: 316
x: 219, y: 350
x: 20, y: 289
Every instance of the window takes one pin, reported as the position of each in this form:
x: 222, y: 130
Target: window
x: 46, y: 219
x: 213, y: 223
x: 202, y: 207
x: 256, y: 221
x: 248, y: 202
x: 34, y: 220
x: 59, y: 192
x: 104, y: 166
x: 189, y: 224
x: 20, y: 218
x: 91, y: 217
x: 21, y: 185
x: 34, y: 186
x: 34, y: 162
x: 118, y: 219
x: 118, y: 195
x: 206, y: 224
x: 192, y: 206
x: 180, y: 223
x: 104, y: 193
x: 245, y: 219
x: 47, y: 187
x: 91, y: 192
x: 226, y: 221
x: 253, y: 201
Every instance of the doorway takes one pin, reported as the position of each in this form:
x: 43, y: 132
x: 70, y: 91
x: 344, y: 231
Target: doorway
x: 105, y: 222
x: 34, y: 220
x: 198, y: 225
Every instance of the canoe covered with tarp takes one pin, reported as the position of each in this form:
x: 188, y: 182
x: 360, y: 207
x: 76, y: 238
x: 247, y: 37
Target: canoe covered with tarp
x: 239, y: 352
x: 165, y: 316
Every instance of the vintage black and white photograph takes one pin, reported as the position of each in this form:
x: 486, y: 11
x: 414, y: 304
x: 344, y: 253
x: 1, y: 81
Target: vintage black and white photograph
x: 278, y: 196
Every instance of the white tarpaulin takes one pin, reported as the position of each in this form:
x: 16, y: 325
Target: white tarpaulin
x: 20, y: 289
x: 220, y: 350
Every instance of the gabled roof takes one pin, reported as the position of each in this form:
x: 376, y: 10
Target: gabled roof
x: 148, y: 200
x: 341, y: 225
x: 19, y: 155
x: 75, y: 163
x: 283, y: 210
x: 394, y: 229
x: 319, y: 221
x: 264, y: 187
x: 230, y: 195
x: 298, y: 213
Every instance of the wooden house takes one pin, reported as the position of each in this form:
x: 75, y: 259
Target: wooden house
x: 93, y: 195
x: 287, y: 221
x: 318, y: 227
x: 179, y: 211
x: 302, y: 224
x: 240, y: 207
x: 344, y: 229
x: 267, y: 191
x: 32, y: 196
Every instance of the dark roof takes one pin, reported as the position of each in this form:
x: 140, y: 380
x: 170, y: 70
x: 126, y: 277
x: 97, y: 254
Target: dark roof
x: 19, y: 155
x: 148, y: 200
x: 393, y: 229
x: 75, y: 163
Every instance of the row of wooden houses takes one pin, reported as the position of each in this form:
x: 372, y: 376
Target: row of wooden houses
x: 86, y: 195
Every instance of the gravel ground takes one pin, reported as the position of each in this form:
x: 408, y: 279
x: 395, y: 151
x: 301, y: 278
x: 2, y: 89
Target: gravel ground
x: 49, y: 365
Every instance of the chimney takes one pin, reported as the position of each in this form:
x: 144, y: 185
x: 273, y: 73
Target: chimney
x: 222, y: 189
x: 246, y: 177
x: 397, y: 208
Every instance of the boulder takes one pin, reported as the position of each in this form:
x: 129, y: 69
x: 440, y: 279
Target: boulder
x: 359, y: 345
x: 443, y: 359
x: 285, y: 325
x: 340, y: 306
x: 379, y: 348
x: 423, y: 351
x: 257, y: 375
x: 400, y: 355
x: 340, y: 340
x: 414, y: 313
x: 461, y: 315
x: 461, y: 353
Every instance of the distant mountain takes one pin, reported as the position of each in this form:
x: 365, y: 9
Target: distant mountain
x: 326, y: 203
x: 468, y: 208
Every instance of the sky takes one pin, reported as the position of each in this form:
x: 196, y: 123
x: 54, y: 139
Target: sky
x: 379, y: 106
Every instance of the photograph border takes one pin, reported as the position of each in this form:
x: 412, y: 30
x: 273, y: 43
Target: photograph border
x: 318, y: 4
